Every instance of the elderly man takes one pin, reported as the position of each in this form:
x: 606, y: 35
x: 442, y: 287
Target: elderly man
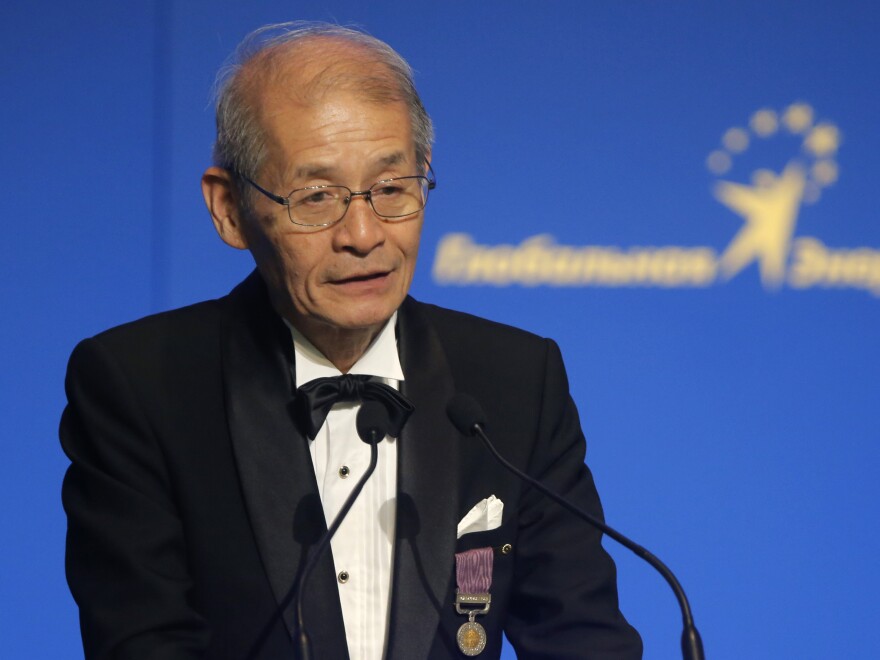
x: 200, y: 480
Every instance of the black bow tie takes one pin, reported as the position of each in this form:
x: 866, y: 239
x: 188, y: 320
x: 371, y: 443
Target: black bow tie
x: 313, y: 400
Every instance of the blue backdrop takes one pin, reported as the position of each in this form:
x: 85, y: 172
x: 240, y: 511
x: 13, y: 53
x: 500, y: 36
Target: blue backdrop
x: 682, y: 194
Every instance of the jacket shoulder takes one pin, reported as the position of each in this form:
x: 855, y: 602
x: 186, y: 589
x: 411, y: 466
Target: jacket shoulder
x: 463, y: 327
x: 176, y: 325
x: 483, y: 353
x: 193, y: 324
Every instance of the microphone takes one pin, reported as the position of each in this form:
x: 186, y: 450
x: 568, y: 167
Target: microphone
x: 372, y: 424
x: 467, y: 416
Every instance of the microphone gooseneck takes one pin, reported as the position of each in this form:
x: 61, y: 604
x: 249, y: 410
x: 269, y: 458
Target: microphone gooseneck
x: 372, y: 423
x: 467, y: 416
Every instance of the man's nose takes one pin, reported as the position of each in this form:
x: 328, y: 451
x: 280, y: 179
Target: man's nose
x: 360, y: 230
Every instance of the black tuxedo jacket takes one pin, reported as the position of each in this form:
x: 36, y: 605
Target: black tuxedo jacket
x: 192, y: 501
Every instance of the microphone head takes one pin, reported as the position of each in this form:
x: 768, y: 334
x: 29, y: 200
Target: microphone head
x: 372, y: 422
x: 465, y: 413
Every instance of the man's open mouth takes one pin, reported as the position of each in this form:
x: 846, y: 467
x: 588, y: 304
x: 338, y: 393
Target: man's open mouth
x: 362, y: 278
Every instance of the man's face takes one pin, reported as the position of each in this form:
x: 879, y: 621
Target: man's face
x: 353, y: 275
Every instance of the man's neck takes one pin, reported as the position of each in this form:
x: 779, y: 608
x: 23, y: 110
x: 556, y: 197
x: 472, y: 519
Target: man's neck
x: 381, y: 359
x: 343, y: 347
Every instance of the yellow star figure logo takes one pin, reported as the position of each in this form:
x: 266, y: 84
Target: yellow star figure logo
x: 770, y: 210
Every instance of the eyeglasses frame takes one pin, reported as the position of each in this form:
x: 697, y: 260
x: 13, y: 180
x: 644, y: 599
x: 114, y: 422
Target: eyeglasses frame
x: 429, y: 178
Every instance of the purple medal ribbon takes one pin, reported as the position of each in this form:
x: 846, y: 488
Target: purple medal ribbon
x: 473, y: 570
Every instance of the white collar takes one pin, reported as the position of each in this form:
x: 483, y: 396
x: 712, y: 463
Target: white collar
x: 380, y: 359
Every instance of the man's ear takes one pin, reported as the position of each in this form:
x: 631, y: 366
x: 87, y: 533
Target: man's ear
x: 220, y: 194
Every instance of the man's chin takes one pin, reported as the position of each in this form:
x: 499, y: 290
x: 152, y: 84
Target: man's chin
x: 369, y: 321
x: 351, y: 318
x: 363, y: 310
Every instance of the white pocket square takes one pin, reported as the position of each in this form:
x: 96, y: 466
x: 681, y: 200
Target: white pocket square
x: 485, y: 515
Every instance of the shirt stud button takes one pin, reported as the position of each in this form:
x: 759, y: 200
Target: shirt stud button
x: 342, y: 577
x: 506, y: 548
x: 344, y: 471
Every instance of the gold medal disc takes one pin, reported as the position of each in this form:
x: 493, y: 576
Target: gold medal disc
x: 471, y: 638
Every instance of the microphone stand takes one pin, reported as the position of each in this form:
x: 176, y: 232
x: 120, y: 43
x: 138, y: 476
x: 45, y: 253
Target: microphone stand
x: 372, y: 435
x: 691, y: 643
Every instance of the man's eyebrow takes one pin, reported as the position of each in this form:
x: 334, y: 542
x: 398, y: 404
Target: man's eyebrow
x: 393, y: 159
x: 309, y: 170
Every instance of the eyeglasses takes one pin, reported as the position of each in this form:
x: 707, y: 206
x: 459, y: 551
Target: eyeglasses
x: 321, y: 206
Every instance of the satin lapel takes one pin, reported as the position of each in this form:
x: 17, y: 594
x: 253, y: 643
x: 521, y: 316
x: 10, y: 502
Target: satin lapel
x: 275, y: 468
x: 428, y: 491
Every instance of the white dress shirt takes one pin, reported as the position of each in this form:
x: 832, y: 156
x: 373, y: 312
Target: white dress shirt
x: 364, y: 544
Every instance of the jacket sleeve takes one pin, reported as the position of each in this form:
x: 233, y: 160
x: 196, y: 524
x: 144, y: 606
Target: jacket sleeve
x: 564, y: 603
x: 126, y: 557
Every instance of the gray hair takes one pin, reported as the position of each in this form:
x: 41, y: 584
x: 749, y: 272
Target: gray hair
x: 241, y: 141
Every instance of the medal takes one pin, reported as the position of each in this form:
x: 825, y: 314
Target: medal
x: 471, y: 637
x: 473, y: 572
